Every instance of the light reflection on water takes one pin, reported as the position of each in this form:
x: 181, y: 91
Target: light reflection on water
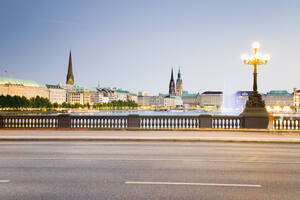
x: 173, y: 113
x: 157, y: 113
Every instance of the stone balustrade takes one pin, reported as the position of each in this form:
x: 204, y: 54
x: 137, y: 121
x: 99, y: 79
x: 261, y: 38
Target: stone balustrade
x: 286, y: 123
x: 120, y: 122
x: 226, y: 122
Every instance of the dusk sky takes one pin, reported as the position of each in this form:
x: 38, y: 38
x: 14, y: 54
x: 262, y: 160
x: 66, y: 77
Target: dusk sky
x: 134, y: 44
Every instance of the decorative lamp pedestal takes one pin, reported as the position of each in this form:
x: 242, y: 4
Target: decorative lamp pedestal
x: 255, y: 115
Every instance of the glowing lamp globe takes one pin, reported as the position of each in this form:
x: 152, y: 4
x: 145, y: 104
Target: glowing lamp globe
x: 266, y: 57
x: 255, y: 45
x: 245, y: 57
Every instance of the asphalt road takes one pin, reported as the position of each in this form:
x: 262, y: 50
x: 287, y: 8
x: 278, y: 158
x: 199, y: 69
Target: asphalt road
x: 149, y: 170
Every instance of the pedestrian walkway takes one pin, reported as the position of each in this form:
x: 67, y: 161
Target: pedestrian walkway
x: 180, y: 136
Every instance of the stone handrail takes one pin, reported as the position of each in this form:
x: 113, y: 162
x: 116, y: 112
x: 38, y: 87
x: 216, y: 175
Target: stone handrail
x: 230, y: 122
x: 286, y: 123
x: 120, y: 122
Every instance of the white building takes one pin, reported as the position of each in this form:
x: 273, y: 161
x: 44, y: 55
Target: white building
x: 212, y: 99
x: 57, y: 94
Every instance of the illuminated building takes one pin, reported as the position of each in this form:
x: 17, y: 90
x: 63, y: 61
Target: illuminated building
x: 241, y: 98
x: 296, y: 98
x: 20, y: 87
x: 212, y: 99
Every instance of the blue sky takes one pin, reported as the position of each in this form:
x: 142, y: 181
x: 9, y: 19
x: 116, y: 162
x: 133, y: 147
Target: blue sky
x: 134, y: 44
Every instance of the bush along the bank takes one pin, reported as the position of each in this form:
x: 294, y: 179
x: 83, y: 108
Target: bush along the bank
x: 117, y: 105
x: 17, y: 102
x: 22, y: 102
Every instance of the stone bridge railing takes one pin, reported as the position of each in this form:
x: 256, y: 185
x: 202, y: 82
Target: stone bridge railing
x: 121, y: 122
x: 138, y: 122
x: 286, y: 123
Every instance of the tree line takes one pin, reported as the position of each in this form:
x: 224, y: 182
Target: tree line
x: 41, y: 102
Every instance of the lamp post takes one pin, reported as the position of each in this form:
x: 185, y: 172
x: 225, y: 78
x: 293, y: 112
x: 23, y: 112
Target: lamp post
x: 255, y: 114
x: 255, y: 60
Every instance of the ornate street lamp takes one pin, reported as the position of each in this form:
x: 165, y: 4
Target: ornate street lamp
x: 255, y: 60
x: 255, y: 113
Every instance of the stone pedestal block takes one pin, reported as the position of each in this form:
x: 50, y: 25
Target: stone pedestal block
x: 255, y: 118
x: 133, y: 121
x: 64, y: 121
x: 205, y: 121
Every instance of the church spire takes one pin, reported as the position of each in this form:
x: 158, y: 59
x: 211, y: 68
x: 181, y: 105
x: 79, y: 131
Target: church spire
x: 172, y: 84
x: 179, y: 89
x: 179, y: 75
x: 70, y: 76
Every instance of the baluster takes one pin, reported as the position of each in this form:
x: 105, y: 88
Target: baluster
x: 100, y: 123
x: 152, y: 123
x: 294, y: 124
x: 12, y: 122
x: 91, y: 122
x: 187, y: 122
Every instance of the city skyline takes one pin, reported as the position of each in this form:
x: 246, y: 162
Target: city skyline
x: 135, y: 45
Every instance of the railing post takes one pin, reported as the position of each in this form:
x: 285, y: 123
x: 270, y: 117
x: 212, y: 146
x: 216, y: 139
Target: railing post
x: 133, y: 121
x: 205, y: 121
x: 64, y: 121
x: 1, y: 121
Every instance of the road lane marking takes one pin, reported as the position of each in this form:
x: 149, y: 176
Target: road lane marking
x: 4, y: 181
x: 153, y: 159
x: 192, y: 184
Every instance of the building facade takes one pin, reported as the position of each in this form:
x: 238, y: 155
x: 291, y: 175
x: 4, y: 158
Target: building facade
x: 144, y: 101
x: 20, y: 87
x: 278, y: 101
x: 79, y: 95
x: 241, y: 98
x: 56, y: 94
x: 212, y: 99
x: 296, y: 98
x: 191, y: 99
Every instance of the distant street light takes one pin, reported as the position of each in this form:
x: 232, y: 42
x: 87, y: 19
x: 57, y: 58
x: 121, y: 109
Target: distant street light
x: 256, y: 59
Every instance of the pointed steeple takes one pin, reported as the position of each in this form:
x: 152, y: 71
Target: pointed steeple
x: 179, y: 89
x: 172, y: 84
x: 70, y: 76
x: 179, y: 75
x: 172, y: 78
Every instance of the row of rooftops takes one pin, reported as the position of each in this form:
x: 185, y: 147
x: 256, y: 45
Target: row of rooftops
x: 31, y: 83
x: 271, y: 93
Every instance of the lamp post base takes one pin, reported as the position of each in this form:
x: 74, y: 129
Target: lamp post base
x: 255, y: 115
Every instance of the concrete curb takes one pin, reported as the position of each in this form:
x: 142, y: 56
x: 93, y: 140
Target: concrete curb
x: 152, y: 139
